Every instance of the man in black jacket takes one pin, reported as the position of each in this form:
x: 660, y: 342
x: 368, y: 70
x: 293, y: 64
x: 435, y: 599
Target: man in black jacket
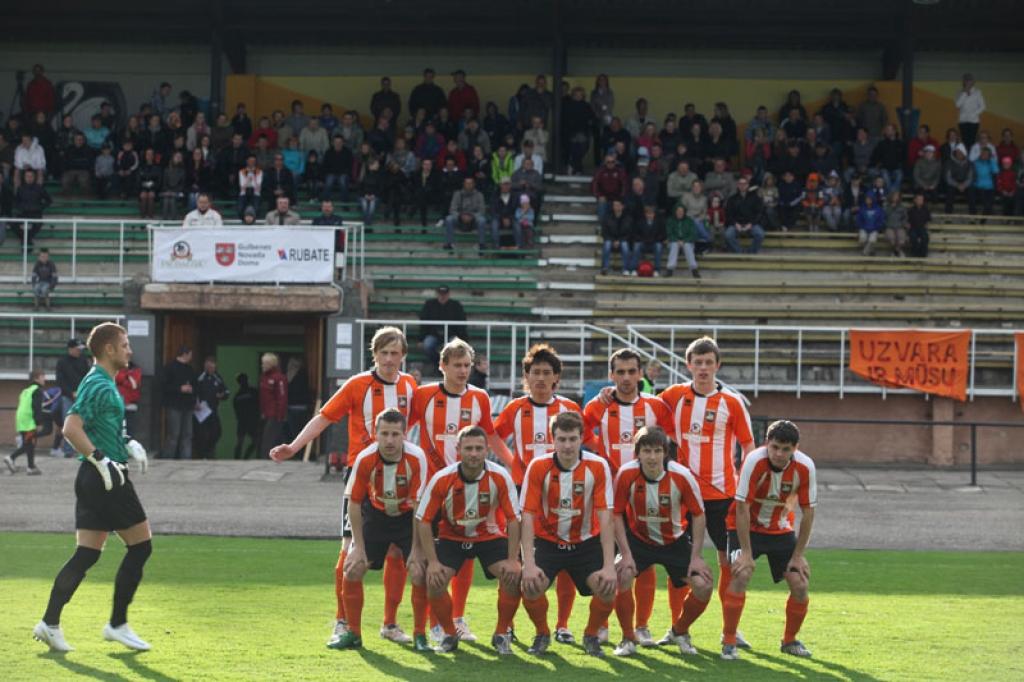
x: 432, y: 336
x: 337, y: 167
x: 386, y: 98
x: 179, y: 395
x: 229, y: 161
x: 616, y: 228
x: 247, y: 416
x: 30, y: 201
x: 210, y: 389
x: 278, y: 181
x: 78, y: 164
x: 742, y: 217
x: 428, y: 95
x: 503, y: 214
x: 71, y: 369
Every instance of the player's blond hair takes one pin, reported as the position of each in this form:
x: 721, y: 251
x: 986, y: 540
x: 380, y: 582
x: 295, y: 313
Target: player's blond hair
x: 103, y: 334
x: 271, y: 358
x: 456, y: 348
x: 386, y: 336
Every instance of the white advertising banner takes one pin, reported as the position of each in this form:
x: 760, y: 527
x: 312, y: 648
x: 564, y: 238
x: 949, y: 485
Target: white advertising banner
x: 243, y: 254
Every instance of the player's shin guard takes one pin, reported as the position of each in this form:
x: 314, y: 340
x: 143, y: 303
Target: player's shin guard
x: 441, y: 606
x: 339, y: 583
x: 795, y: 614
x: 394, y: 587
x: 460, y: 588
x: 129, y: 575
x: 676, y: 598
x: 508, y: 604
x: 354, y: 605
x: 67, y: 581
x: 419, y: 609
x: 732, y: 609
x: 692, y: 608
x: 537, y: 609
x: 624, y: 609
x: 599, y: 612
x: 565, y: 589
x: 643, y: 589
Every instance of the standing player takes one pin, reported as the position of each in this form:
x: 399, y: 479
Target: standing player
x: 567, y: 526
x: 617, y: 415
x: 773, y: 480
x: 442, y: 410
x: 361, y: 398
x: 465, y: 498
x: 653, y: 497
x: 384, y: 488
x: 105, y: 498
x: 707, y: 420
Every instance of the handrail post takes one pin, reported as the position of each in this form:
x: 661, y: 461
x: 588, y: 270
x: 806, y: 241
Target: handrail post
x: 582, y: 358
x: 74, y: 248
x: 974, y: 454
x: 971, y: 391
x: 31, y: 341
x: 26, y: 226
x: 120, y: 255
x: 757, y: 359
x: 799, y: 360
x: 512, y: 363
x: 842, y: 361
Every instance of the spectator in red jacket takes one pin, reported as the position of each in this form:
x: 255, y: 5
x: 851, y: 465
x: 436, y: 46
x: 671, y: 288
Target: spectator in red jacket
x: 265, y: 129
x: 1006, y: 146
x: 463, y: 96
x: 273, y: 402
x: 40, y: 94
x: 1006, y: 185
x: 917, y: 145
x: 452, y: 150
x: 129, y: 385
x: 609, y: 184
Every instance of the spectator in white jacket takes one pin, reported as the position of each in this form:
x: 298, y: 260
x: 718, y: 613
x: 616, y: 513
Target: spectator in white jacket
x: 314, y: 138
x: 29, y: 155
x: 971, y: 105
x: 203, y: 215
x: 984, y: 141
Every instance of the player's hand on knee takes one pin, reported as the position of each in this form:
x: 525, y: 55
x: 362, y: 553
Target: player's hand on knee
x: 355, y: 561
x: 437, y: 576
x: 625, y: 569
x: 699, y: 569
x: 742, y: 565
x: 606, y: 581
x: 798, y: 564
x: 533, y: 580
x: 509, y: 575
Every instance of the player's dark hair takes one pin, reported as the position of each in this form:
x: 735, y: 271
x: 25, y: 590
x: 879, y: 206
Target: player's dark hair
x: 783, y: 431
x: 701, y: 346
x: 470, y: 432
x: 103, y: 334
x: 38, y: 371
x: 625, y: 354
x: 650, y: 437
x: 542, y: 352
x: 392, y: 415
x: 567, y: 421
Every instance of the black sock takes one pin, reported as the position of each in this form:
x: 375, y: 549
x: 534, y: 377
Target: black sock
x: 67, y: 582
x: 129, y: 575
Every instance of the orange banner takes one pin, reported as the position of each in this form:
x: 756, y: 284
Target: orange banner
x: 929, y: 361
x: 1019, y: 338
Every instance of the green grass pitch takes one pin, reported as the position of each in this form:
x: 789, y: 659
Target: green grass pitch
x: 247, y: 609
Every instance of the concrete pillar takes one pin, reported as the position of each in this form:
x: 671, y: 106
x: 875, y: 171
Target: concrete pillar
x: 943, y: 443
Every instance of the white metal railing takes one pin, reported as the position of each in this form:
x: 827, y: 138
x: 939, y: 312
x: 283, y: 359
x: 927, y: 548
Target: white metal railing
x: 33, y: 327
x: 353, y: 265
x: 577, y: 366
x: 827, y: 358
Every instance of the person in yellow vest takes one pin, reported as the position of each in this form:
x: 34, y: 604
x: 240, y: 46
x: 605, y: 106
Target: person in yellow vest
x: 28, y: 420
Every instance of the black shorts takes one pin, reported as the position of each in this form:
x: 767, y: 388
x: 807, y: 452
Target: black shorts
x: 380, y: 531
x: 98, y: 509
x: 453, y: 553
x: 675, y: 557
x: 715, y: 512
x: 578, y: 560
x: 779, y: 549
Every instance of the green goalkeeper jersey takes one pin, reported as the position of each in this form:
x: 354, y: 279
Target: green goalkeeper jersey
x: 102, y: 411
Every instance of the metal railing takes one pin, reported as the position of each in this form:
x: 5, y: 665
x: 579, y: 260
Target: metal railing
x: 354, y: 264
x: 819, y: 350
x: 30, y: 342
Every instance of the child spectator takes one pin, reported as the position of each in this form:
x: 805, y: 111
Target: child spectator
x: 769, y: 194
x: 28, y: 420
x: 790, y: 195
x: 150, y: 175
x: 853, y: 197
x: 127, y: 169
x: 812, y: 202
x: 524, y: 222
x: 879, y: 190
x: 985, y: 171
x: 870, y: 221
x: 681, y: 232
x: 1006, y: 185
x: 927, y: 173
x: 103, y: 172
x: 832, y: 194
x: 44, y: 279
x: 295, y: 158
x: 369, y: 191
x: 896, y: 224
x: 918, y: 217
x: 250, y: 184
x: 649, y: 234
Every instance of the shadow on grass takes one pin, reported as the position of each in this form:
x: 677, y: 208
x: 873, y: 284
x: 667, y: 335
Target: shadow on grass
x: 812, y: 668
x: 80, y: 669
x: 133, y: 661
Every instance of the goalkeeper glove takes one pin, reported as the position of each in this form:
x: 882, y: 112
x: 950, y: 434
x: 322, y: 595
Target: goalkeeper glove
x: 108, y: 469
x: 138, y: 453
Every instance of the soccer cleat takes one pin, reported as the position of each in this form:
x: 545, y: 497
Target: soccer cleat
x: 448, y: 645
x: 10, y: 464
x: 348, y: 640
x: 52, y: 636
x: 462, y: 629
x: 419, y: 643
x: 437, y: 634
x: 125, y: 635
x: 740, y: 642
x: 730, y: 652
x: 602, y: 635
x: 686, y: 647
x: 667, y: 639
x: 644, y: 638
x: 340, y: 628
x: 626, y: 647
x: 56, y: 452
x: 592, y: 645
x: 394, y: 633
x: 502, y: 644
x: 33, y: 471
x: 540, y: 645
x: 795, y: 648
x: 564, y: 636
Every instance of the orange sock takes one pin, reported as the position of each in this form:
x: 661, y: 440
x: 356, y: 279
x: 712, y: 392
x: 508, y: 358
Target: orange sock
x: 795, y: 613
x: 441, y: 606
x: 565, y: 588
x: 676, y: 597
x: 624, y: 609
x: 732, y: 609
x: 724, y: 578
x: 537, y: 609
x: 692, y: 608
x: 643, y: 589
x: 394, y: 587
x: 339, y: 582
x: 508, y: 604
x: 419, y: 609
x: 354, y: 605
x: 599, y: 612
x: 460, y: 588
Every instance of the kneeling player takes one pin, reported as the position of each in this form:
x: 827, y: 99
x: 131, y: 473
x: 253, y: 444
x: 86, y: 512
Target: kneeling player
x: 652, y: 499
x: 773, y: 480
x: 478, y: 509
x: 567, y: 507
x: 384, y: 488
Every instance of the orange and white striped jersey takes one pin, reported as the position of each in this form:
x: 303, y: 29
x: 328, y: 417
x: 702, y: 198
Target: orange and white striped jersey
x: 361, y: 398
x: 441, y: 415
x: 470, y: 509
x: 617, y: 422
x: 528, y: 423
x: 656, y: 510
x: 773, y: 495
x: 565, y: 502
x: 391, y: 487
x: 706, y: 428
